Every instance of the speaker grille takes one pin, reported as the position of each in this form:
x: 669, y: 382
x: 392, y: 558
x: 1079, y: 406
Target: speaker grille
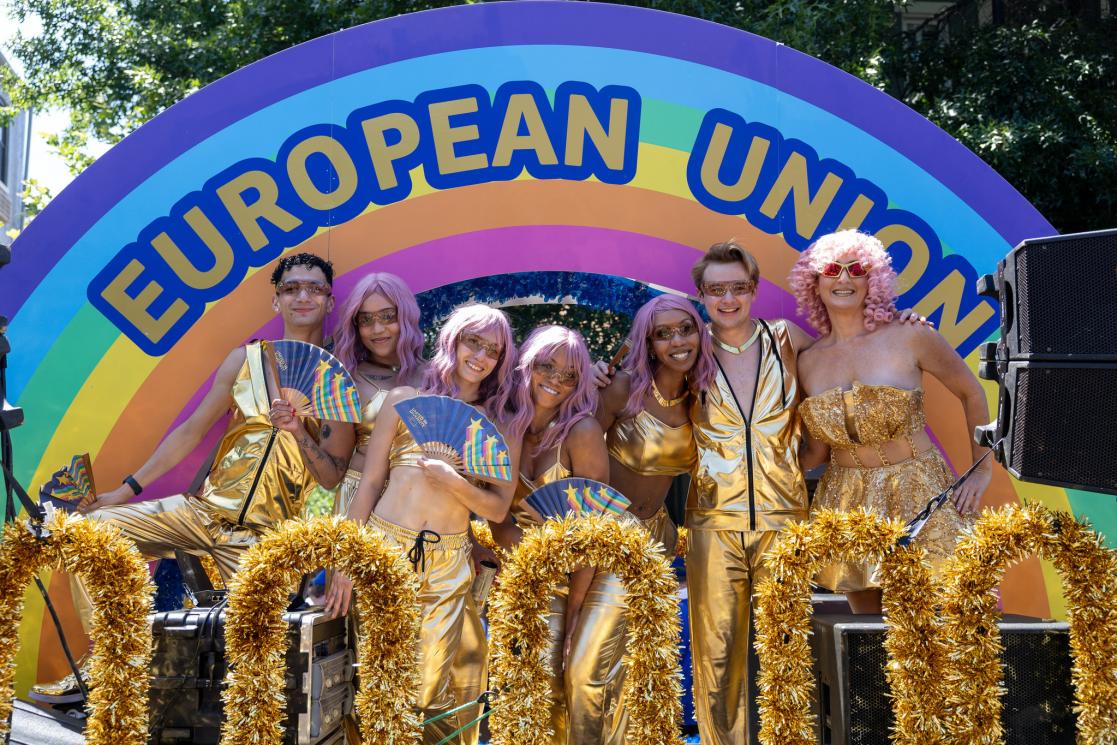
x: 1038, y: 704
x: 1061, y: 417
x: 1064, y: 296
x: 870, y: 708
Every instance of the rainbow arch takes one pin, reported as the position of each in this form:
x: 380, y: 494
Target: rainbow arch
x: 86, y: 384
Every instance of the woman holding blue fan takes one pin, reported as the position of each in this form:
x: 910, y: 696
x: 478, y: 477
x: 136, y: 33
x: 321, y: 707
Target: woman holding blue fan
x: 555, y: 400
x: 424, y: 504
x: 644, y: 411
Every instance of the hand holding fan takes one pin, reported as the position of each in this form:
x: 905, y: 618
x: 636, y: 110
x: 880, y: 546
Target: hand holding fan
x: 315, y: 382
x: 70, y: 485
x: 584, y: 496
x: 453, y: 431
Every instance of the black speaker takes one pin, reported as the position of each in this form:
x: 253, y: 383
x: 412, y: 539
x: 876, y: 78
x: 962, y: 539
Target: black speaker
x: 1056, y: 360
x: 853, y: 707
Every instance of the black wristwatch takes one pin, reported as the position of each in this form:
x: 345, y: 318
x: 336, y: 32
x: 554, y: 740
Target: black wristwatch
x: 135, y: 485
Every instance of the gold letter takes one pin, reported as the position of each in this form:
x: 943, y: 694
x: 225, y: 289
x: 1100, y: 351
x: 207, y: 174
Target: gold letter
x: 714, y: 156
x: 581, y: 121
x: 948, y: 296
x: 521, y: 107
x: 808, y: 211
x: 920, y: 254
x: 857, y: 213
x: 136, y: 309
x: 247, y: 216
x: 219, y: 247
x: 381, y: 152
x: 445, y: 136
x: 339, y: 159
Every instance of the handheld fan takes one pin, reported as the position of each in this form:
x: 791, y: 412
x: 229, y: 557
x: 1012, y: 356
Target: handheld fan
x: 576, y: 495
x: 69, y: 485
x: 315, y: 382
x: 457, y: 433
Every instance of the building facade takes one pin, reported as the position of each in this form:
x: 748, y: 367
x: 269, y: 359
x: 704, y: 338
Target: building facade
x: 15, y: 149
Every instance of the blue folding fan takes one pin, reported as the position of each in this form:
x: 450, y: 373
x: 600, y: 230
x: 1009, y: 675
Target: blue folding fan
x: 315, y: 382
x: 457, y: 433
x: 584, y: 496
x: 70, y: 485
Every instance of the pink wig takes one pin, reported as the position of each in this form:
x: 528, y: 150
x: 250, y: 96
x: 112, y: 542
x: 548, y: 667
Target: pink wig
x: 348, y: 346
x: 496, y: 389
x: 641, y: 363
x: 844, y: 246
x: 541, y: 345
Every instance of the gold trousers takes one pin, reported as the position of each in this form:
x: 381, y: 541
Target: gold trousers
x: 594, y: 671
x: 469, y: 673
x: 723, y: 569
x: 158, y: 527
x: 445, y: 575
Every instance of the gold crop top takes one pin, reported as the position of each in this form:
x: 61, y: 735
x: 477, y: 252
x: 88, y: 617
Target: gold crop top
x: 555, y: 472
x: 405, y: 451
x: 865, y: 415
x: 368, y: 417
x: 649, y: 447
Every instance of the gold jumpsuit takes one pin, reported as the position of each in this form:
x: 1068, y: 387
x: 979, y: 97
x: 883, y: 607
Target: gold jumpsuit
x: 445, y: 574
x: 872, y: 416
x: 258, y: 480
x: 747, y: 486
x: 556, y: 616
x: 595, y: 673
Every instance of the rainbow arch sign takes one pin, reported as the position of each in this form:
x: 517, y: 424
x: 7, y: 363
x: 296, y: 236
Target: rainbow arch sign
x: 460, y: 143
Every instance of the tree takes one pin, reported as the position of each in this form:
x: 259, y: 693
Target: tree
x: 1032, y: 93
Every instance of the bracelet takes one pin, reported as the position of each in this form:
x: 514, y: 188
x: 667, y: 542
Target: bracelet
x: 135, y: 485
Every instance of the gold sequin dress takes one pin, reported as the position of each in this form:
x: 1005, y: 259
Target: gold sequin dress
x: 870, y: 416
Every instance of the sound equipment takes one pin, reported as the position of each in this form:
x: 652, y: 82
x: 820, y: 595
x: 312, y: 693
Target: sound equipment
x: 188, y: 675
x: 1056, y: 361
x: 852, y: 702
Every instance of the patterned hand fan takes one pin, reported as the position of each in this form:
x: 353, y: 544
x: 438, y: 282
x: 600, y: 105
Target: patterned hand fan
x: 457, y: 433
x: 69, y: 485
x: 584, y: 496
x: 315, y: 382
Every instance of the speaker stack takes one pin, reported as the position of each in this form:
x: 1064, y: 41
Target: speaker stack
x: 1056, y: 361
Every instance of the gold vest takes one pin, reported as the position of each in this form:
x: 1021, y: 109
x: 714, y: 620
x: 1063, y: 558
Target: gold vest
x: 748, y: 475
x: 258, y: 477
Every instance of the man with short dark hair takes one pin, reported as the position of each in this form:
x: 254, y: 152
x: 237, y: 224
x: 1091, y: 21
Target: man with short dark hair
x: 266, y: 463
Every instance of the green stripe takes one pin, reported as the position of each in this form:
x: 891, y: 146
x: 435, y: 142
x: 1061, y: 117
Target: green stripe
x: 1099, y: 510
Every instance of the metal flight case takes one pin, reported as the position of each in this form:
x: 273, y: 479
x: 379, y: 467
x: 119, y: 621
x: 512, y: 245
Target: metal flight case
x: 188, y: 669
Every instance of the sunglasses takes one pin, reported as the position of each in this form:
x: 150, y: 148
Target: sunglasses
x: 292, y: 288
x: 719, y: 289
x: 383, y: 317
x: 475, y: 344
x: 835, y: 268
x: 682, y: 330
x: 550, y: 371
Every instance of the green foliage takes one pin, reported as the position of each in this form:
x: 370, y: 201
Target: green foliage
x: 1034, y: 97
x: 34, y: 196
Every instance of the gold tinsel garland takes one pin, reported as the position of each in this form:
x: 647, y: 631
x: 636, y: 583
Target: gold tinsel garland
x: 973, y: 683
x: 519, y: 635
x: 119, y: 586
x: 681, y: 542
x: 783, y: 625
x: 256, y: 635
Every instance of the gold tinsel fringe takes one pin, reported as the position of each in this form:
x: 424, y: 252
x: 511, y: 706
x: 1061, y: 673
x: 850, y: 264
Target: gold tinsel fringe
x: 256, y: 636
x: 119, y: 586
x: 518, y: 609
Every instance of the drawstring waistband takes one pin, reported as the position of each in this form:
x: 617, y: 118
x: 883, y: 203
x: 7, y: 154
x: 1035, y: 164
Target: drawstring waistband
x: 418, y: 553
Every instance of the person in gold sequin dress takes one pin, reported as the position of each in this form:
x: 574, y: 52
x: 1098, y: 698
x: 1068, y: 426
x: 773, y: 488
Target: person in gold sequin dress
x: 864, y: 407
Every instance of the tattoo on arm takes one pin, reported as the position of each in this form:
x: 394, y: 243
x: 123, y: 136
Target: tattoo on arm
x: 316, y: 455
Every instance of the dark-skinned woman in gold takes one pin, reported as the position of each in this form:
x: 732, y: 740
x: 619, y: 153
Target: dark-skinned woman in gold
x: 864, y: 407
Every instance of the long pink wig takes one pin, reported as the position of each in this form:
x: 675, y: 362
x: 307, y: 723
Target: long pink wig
x: 541, y: 345
x: 641, y: 362
x: 496, y: 390
x: 845, y: 245
x: 349, y: 348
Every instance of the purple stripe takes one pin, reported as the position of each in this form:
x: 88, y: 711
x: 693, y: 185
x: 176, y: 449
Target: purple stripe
x: 318, y: 61
x: 427, y: 266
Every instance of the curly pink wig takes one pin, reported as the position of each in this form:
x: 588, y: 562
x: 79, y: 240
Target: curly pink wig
x: 845, y: 245
x: 541, y: 345
x: 409, y: 347
x: 496, y: 389
x: 640, y: 362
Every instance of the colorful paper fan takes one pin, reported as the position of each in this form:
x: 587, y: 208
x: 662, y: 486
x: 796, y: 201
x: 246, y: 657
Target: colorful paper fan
x: 576, y: 495
x: 315, y: 382
x: 69, y: 485
x: 457, y: 433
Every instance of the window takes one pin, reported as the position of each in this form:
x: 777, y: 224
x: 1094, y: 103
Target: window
x: 5, y: 143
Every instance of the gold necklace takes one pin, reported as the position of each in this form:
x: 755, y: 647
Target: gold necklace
x: 663, y: 401
x: 737, y: 350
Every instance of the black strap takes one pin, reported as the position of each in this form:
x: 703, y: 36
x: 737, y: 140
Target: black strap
x: 418, y: 553
x: 912, y: 529
x: 34, y: 511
